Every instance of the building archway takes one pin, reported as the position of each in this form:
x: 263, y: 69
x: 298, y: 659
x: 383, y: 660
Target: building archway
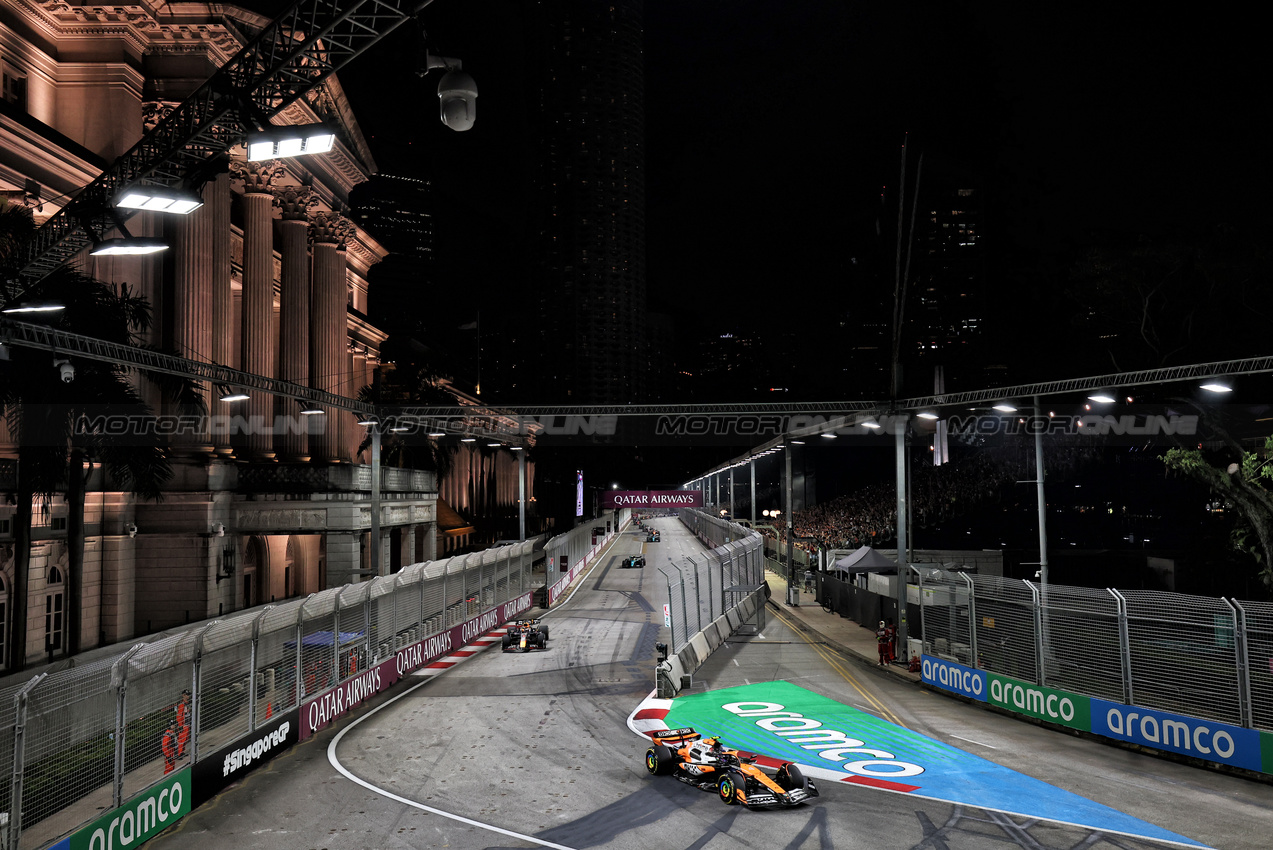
x: 254, y: 564
x: 293, y: 566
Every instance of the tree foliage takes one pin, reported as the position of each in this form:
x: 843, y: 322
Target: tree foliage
x: 1153, y: 302
x: 1245, y: 480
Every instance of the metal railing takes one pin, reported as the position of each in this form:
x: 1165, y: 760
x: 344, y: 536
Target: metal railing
x: 1205, y: 657
x: 78, y: 741
x: 701, y: 589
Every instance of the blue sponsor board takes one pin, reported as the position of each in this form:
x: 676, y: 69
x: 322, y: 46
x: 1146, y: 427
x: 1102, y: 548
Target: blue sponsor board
x: 1177, y: 733
x: 955, y: 677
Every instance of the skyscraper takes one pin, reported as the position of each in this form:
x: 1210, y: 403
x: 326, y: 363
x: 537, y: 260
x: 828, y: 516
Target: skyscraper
x: 588, y: 234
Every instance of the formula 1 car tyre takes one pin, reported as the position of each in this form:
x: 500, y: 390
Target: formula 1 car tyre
x: 543, y: 630
x: 729, y: 787
x: 508, y: 641
x: 789, y: 777
x: 660, y: 760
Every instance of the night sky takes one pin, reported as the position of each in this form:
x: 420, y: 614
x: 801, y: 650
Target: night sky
x: 773, y: 128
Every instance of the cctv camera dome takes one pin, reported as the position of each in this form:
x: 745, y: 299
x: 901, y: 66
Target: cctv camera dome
x: 457, y: 94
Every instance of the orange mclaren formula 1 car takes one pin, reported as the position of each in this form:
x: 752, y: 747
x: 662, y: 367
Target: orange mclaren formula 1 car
x: 525, y: 635
x: 706, y: 764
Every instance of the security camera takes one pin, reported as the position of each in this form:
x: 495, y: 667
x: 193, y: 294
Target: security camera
x: 132, y: 529
x: 457, y: 100
x: 65, y: 370
x: 219, y: 529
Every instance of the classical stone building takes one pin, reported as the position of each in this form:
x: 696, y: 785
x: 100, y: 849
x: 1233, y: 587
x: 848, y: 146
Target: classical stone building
x: 268, y: 277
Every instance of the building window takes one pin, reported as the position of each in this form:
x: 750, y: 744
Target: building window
x: 54, y: 621
x: 59, y: 523
x: 15, y: 90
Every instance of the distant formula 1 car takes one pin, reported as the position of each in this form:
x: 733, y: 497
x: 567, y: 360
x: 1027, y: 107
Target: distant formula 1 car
x: 653, y: 537
x: 633, y: 561
x: 525, y: 635
x: 706, y: 764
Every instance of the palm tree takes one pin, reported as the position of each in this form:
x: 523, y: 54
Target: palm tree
x: 44, y: 414
x: 420, y: 386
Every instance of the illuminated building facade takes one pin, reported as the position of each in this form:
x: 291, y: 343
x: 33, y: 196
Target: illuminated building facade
x: 269, y: 276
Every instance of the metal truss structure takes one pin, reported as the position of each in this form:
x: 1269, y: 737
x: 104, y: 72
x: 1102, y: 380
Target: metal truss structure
x: 31, y: 335
x: 287, y: 60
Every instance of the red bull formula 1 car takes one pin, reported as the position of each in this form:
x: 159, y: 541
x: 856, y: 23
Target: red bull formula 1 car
x: 706, y: 764
x: 525, y: 635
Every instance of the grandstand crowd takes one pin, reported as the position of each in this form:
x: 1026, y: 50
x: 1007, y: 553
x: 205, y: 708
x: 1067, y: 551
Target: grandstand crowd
x: 868, y: 516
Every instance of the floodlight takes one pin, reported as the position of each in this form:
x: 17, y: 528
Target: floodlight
x: 35, y: 307
x: 296, y: 140
x: 158, y: 199
x: 129, y: 246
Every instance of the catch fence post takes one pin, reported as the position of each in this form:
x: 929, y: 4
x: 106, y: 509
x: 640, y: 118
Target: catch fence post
x: 21, y: 702
x: 1125, y: 648
x: 1243, y: 660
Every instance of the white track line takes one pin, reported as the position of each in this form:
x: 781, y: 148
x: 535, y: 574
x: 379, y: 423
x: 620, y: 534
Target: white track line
x: 331, y: 757
x: 331, y: 750
x: 971, y: 741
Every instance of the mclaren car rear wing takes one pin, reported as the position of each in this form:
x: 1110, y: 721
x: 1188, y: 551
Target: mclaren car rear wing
x: 675, y: 736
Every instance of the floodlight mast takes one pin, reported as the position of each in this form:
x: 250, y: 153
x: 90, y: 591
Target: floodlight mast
x: 290, y: 57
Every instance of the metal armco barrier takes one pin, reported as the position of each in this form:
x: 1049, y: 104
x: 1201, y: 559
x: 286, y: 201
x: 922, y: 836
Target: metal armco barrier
x: 85, y: 740
x: 1204, y: 657
x: 566, y: 555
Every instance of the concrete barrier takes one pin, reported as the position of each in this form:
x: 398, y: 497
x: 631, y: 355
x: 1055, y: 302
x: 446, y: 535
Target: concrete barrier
x: 681, y: 666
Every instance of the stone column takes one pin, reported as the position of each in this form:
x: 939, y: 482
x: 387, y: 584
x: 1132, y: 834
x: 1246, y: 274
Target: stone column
x: 258, y: 301
x: 192, y: 307
x: 328, y: 340
x: 294, y: 301
x: 216, y: 198
x: 353, y: 383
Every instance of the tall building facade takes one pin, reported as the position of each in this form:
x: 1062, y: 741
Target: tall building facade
x: 588, y: 263
x: 948, y: 310
x: 398, y: 211
x: 269, y: 276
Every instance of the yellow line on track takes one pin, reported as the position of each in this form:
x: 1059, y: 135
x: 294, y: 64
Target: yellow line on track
x: 842, y: 670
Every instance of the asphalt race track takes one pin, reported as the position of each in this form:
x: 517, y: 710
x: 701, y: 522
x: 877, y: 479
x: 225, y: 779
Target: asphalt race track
x: 518, y: 750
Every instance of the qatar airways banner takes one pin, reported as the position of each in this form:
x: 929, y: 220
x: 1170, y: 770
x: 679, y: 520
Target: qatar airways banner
x: 329, y: 705
x: 652, y: 499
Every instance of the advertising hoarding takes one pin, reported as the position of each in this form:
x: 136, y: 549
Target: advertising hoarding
x: 652, y: 499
